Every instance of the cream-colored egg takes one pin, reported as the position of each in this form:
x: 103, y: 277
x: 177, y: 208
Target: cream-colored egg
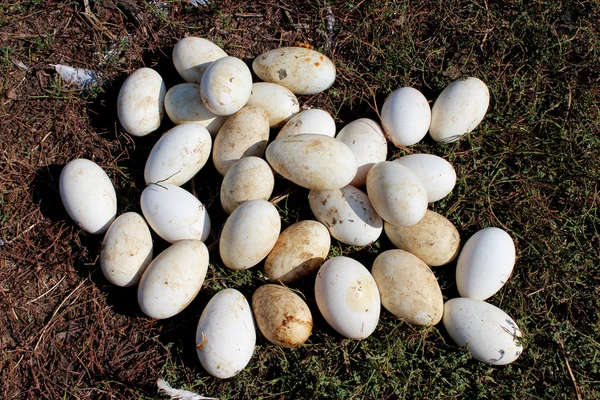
x: 313, y: 161
x: 173, y: 279
x: 408, y: 288
x: 244, y: 134
x: 406, y: 116
x: 396, y: 193
x: 436, y: 174
x: 347, y: 297
x: 485, y: 263
x: 178, y: 155
x: 301, y: 70
x: 174, y: 213
x: 459, y: 109
x: 368, y: 143
x: 140, y: 105
x: 279, y: 103
x: 193, y: 55
x: 250, y: 178
x: 88, y: 195
x: 348, y: 214
x: 281, y: 315
x: 126, y: 250
x: 226, y: 336
x: 299, y: 251
x: 433, y: 239
x: 183, y: 103
x: 249, y: 234
x: 226, y: 86
x: 309, y: 121
x: 488, y: 332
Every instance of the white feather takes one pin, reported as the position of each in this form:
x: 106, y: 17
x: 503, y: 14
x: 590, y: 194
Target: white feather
x: 81, y: 77
x: 179, y: 394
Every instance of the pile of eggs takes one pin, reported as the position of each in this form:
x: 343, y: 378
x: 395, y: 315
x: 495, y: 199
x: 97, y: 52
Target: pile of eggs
x: 220, y: 112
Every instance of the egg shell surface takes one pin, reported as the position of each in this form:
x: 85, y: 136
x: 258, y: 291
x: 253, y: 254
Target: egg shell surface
x: 173, y: 279
x: 174, y: 213
x: 301, y: 70
x: 485, y: 263
x: 488, y: 332
x: 249, y: 234
x: 88, y: 195
x: 250, y: 178
x: 140, y: 105
x: 193, y: 55
x: 226, y: 334
x: 226, y: 86
x: 309, y: 121
x: 347, y: 297
x: 183, y: 103
x: 459, y: 109
x: 406, y: 116
x: 126, y: 250
x: 278, y: 102
x: 436, y: 174
x: 313, y: 161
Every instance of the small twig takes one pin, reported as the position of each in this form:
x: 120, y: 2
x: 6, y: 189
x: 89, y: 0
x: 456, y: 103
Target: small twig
x: 46, y: 292
x: 248, y: 15
x: 20, y: 234
x: 577, y: 390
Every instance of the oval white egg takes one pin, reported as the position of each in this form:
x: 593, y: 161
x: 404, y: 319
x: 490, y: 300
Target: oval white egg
x: 183, y: 103
x: 249, y: 234
x: 313, y: 161
x: 173, y: 279
x: 278, y: 102
x: 347, y: 297
x: 406, y: 116
x: 193, y: 55
x: 178, y: 155
x: 301, y: 70
x: 396, y: 193
x: 88, y: 195
x: 436, y: 174
x: 140, y: 105
x: 459, y: 109
x: 348, y: 214
x: 488, y: 332
x: 250, y: 178
x: 485, y: 263
x: 368, y: 143
x: 226, y: 86
x: 244, y: 134
x: 226, y: 334
x: 126, y: 250
x: 174, y: 213
x: 309, y: 121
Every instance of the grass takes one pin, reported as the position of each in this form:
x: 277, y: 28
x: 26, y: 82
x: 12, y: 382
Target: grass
x: 532, y: 168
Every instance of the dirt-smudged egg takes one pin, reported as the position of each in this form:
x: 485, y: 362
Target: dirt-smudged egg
x: 347, y: 297
x: 436, y: 174
x: 406, y: 116
x: 193, y: 55
x: 226, y: 86
x: 250, y: 178
x: 226, y: 334
x: 183, y: 103
x: 309, y: 121
x: 278, y: 102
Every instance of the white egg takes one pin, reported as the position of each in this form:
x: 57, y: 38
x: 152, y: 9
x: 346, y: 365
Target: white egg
x: 489, y: 333
x: 313, y: 161
x: 140, y: 105
x: 347, y: 297
x: 368, y: 143
x: 193, y: 55
x: 226, y: 86
x: 173, y: 279
x: 178, y: 155
x: 309, y: 121
x: 300, y: 250
x: 183, y: 103
x: 226, y: 334
x: 459, y: 109
x: 126, y: 250
x: 244, y: 134
x: 250, y: 178
x: 88, y: 195
x: 301, y: 70
x: 278, y: 102
x: 396, y: 193
x: 348, y: 214
x: 485, y: 263
x: 436, y: 174
x: 249, y: 234
x: 406, y: 116
x: 174, y: 213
